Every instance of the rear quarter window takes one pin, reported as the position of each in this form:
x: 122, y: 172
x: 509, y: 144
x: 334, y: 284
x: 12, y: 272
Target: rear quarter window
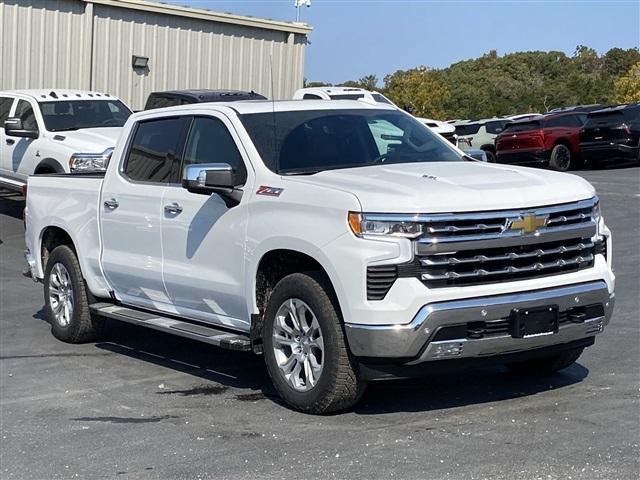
x: 521, y: 126
x: 468, y: 129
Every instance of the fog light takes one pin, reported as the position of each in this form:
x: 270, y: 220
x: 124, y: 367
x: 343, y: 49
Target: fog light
x: 449, y: 349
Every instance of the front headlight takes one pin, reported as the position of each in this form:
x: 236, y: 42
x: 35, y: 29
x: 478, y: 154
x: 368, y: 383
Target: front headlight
x: 363, y: 225
x: 596, y: 216
x: 90, y: 162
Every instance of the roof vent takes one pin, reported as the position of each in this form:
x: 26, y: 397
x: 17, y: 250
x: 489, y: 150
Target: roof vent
x: 53, y: 94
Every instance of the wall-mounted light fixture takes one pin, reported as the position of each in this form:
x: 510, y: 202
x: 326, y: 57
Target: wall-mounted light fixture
x: 139, y: 62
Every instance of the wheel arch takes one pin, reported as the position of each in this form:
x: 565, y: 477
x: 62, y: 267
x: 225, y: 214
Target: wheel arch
x: 276, y: 263
x: 47, y: 165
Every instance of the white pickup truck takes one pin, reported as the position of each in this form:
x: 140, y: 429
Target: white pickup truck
x: 56, y: 131
x: 344, y: 241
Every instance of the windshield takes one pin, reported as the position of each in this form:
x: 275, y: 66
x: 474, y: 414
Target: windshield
x: 76, y: 114
x: 309, y: 141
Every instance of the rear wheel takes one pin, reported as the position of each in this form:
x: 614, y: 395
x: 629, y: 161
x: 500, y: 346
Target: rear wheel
x: 548, y: 364
x: 67, y: 299
x: 560, y: 158
x: 305, y: 349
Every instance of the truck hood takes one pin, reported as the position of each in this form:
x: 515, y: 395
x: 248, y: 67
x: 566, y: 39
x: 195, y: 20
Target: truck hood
x: 441, y: 187
x: 89, y: 140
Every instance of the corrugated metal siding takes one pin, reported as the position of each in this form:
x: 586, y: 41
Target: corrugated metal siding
x: 42, y: 44
x: 76, y: 45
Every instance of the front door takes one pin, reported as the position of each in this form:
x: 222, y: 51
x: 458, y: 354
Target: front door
x: 6, y: 143
x: 204, y: 239
x: 131, y: 211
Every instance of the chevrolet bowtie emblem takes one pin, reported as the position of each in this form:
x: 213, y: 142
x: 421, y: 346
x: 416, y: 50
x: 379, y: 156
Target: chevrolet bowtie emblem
x: 528, y: 223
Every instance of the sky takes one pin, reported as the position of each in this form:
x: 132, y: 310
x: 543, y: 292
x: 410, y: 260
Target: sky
x: 354, y: 38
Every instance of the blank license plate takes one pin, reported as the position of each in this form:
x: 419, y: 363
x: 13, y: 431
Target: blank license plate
x: 527, y: 322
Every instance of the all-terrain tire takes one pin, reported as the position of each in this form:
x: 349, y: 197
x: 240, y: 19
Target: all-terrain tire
x: 548, y: 364
x: 339, y: 385
x: 80, y: 326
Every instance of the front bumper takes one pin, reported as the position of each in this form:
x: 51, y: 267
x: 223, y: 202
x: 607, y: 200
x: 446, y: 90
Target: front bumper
x: 416, y: 342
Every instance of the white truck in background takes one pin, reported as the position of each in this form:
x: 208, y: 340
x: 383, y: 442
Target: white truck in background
x: 56, y: 131
x: 344, y: 241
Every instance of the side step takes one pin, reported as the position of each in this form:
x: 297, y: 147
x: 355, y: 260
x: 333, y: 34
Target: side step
x: 213, y: 336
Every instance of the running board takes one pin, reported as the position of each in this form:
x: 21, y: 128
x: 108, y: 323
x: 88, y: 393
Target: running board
x: 212, y: 336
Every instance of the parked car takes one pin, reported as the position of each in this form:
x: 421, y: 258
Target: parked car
x: 339, y: 256
x: 551, y: 140
x: 374, y: 98
x: 480, y: 134
x: 611, y: 134
x: 340, y: 93
x: 56, y: 131
x: 184, y: 97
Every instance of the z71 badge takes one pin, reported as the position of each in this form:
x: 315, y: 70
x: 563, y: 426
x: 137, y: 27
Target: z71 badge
x: 269, y: 191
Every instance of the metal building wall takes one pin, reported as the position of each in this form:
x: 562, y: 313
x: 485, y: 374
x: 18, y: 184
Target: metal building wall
x: 42, y: 44
x: 85, y: 45
x: 190, y: 53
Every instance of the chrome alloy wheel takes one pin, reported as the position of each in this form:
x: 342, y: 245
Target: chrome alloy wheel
x: 61, y: 294
x: 298, y: 344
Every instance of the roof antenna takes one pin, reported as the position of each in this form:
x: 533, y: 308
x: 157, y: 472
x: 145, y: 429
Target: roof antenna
x: 276, y: 157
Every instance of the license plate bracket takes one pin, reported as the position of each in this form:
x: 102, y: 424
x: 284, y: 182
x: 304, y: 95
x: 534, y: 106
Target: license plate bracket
x: 529, y: 322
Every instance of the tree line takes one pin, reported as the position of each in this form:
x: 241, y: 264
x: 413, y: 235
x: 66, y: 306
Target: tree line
x: 521, y: 82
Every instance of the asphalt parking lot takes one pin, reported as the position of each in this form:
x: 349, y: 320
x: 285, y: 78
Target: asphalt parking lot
x: 142, y: 404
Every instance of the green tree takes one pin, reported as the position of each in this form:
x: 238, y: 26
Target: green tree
x: 627, y: 87
x: 418, y: 90
x: 619, y: 61
x: 368, y: 82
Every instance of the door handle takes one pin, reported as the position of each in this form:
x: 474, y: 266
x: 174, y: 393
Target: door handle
x: 111, y: 204
x: 10, y: 141
x: 173, y: 209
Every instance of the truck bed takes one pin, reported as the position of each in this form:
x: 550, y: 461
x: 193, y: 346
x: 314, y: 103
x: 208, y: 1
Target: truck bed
x: 69, y: 202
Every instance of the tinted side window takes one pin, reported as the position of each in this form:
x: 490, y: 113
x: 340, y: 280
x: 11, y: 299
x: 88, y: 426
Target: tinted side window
x: 155, y: 154
x: 311, y: 96
x: 157, y: 101
x: 25, y: 113
x: 495, y: 127
x: 5, y: 107
x: 210, y: 142
x: 468, y: 129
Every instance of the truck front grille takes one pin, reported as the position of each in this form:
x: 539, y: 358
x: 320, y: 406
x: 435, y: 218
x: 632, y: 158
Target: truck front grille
x: 490, y: 247
x: 472, y: 267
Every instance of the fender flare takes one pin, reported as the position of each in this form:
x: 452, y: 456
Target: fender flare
x: 51, y: 163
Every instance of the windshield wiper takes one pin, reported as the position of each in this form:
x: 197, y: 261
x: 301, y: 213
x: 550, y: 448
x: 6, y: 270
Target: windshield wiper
x: 63, y: 129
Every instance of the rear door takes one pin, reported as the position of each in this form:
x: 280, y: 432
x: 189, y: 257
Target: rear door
x: 131, y: 211
x: 204, y: 238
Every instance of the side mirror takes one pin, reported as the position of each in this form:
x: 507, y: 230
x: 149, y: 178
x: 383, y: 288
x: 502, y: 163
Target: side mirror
x: 13, y: 128
x: 208, y: 178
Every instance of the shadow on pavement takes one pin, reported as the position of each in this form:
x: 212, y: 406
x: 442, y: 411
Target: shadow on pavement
x: 11, y: 204
x: 246, y: 371
x: 467, y: 387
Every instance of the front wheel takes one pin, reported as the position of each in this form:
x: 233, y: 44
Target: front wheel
x: 548, y: 364
x: 560, y: 158
x: 67, y: 299
x: 305, y: 349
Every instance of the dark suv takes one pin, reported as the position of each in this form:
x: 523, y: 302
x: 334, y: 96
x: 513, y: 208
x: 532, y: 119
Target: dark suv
x: 184, y: 97
x: 548, y: 140
x: 611, y: 134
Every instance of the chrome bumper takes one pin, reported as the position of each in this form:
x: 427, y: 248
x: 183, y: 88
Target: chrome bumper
x: 413, y: 343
